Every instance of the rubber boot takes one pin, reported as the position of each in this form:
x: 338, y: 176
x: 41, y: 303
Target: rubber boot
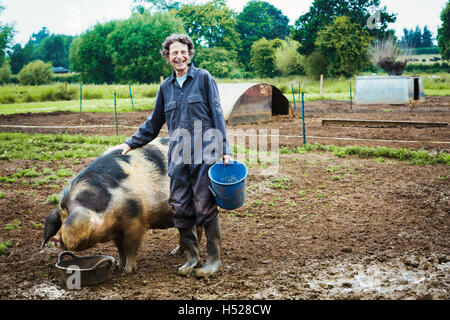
x: 188, y: 238
x: 213, y: 242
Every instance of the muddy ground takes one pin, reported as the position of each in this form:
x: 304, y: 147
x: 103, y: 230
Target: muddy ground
x: 321, y: 228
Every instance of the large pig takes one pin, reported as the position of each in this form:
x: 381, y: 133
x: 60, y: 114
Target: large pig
x: 115, y: 198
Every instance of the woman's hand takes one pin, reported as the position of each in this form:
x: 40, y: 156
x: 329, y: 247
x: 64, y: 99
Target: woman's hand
x: 124, y: 147
x: 226, y: 159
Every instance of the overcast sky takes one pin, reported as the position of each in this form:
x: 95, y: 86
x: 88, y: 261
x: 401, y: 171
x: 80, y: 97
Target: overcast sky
x: 73, y: 17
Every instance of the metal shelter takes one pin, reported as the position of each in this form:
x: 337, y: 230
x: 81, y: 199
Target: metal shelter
x: 252, y: 102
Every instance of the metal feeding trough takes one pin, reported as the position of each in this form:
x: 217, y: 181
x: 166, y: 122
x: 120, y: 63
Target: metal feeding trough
x: 93, y: 270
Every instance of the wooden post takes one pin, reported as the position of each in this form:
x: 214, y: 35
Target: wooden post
x: 350, y: 95
x: 321, y: 85
x: 161, y: 79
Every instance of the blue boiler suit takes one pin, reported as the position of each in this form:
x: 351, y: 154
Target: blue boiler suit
x: 190, y: 111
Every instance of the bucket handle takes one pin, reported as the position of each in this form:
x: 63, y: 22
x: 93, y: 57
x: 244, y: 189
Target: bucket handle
x: 212, y: 190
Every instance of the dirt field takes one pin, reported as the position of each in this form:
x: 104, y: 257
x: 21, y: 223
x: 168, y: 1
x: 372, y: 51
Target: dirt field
x: 338, y: 228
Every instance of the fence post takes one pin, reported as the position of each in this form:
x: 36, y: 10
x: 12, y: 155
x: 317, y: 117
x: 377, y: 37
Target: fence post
x: 293, y: 96
x: 350, y: 95
x: 81, y: 95
x: 303, y: 118
x: 321, y: 85
x: 115, y: 114
x: 299, y: 89
x: 131, y: 96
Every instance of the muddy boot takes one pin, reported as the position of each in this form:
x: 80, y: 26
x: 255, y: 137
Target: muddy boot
x: 213, y: 242
x: 188, y: 238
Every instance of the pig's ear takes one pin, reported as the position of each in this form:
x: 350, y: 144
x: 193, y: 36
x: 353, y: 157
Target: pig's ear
x: 51, y: 227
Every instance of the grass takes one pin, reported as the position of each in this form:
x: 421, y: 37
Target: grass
x: 53, y: 199
x: 99, y: 98
x: 4, y: 246
x: 46, y: 176
x: 67, y: 92
x: 96, y: 105
x: 64, y: 146
x: 53, y: 147
x: 14, y: 225
x: 419, y: 157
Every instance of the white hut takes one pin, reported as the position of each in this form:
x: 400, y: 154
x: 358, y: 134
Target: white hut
x: 389, y: 90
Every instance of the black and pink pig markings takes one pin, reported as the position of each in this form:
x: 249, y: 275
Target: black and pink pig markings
x: 115, y: 198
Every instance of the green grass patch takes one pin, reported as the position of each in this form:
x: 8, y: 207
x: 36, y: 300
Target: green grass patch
x: 13, y: 225
x: 4, y: 246
x: 416, y: 157
x: 53, y: 199
x: 52, y: 147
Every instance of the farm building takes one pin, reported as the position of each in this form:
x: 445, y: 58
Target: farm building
x: 252, y: 102
x: 389, y: 90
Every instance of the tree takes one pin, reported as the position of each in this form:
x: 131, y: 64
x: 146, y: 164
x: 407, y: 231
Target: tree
x: 444, y: 32
x: 260, y: 19
x: 35, y: 73
x: 416, y: 37
x: 211, y: 24
x: 427, y: 38
x: 287, y: 59
x: 124, y: 51
x: 346, y: 46
x: 316, y: 64
x: 263, y: 56
x: 322, y: 12
x: 17, y: 58
x: 134, y: 46
x: 55, y: 49
x: 6, y: 36
x: 156, y: 5
x: 220, y: 62
x: 5, y: 73
x: 89, y: 57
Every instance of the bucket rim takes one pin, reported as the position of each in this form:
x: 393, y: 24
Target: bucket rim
x: 227, y: 183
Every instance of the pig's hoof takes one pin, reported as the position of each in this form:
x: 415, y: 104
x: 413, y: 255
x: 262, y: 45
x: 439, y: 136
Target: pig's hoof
x: 130, y: 268
x: 120, y: 264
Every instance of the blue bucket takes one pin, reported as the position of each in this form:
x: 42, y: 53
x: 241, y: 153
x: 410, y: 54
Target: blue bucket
x: 227, y: 183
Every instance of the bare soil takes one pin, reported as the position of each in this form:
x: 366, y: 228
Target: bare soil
x: 338, y: 228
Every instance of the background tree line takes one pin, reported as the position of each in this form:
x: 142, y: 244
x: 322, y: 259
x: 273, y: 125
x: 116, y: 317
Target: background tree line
x: 332, y: 38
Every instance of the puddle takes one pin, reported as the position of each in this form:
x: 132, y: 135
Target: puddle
x: 388, y: 280
x: 47, y: 290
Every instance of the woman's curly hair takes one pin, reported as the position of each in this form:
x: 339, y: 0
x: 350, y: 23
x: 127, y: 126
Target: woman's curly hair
x: 183, y: 38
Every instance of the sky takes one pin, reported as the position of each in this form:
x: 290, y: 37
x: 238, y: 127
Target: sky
x: 73, y: 17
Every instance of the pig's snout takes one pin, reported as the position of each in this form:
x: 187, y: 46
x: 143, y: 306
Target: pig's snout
x: 51, y: 227
x: 57, y: 241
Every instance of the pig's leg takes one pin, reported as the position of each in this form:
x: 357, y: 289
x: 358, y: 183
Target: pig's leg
x: 131, y: 243
x: 122, y: 256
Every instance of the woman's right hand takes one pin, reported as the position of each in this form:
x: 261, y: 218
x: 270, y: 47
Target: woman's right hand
x: 124, y: 147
